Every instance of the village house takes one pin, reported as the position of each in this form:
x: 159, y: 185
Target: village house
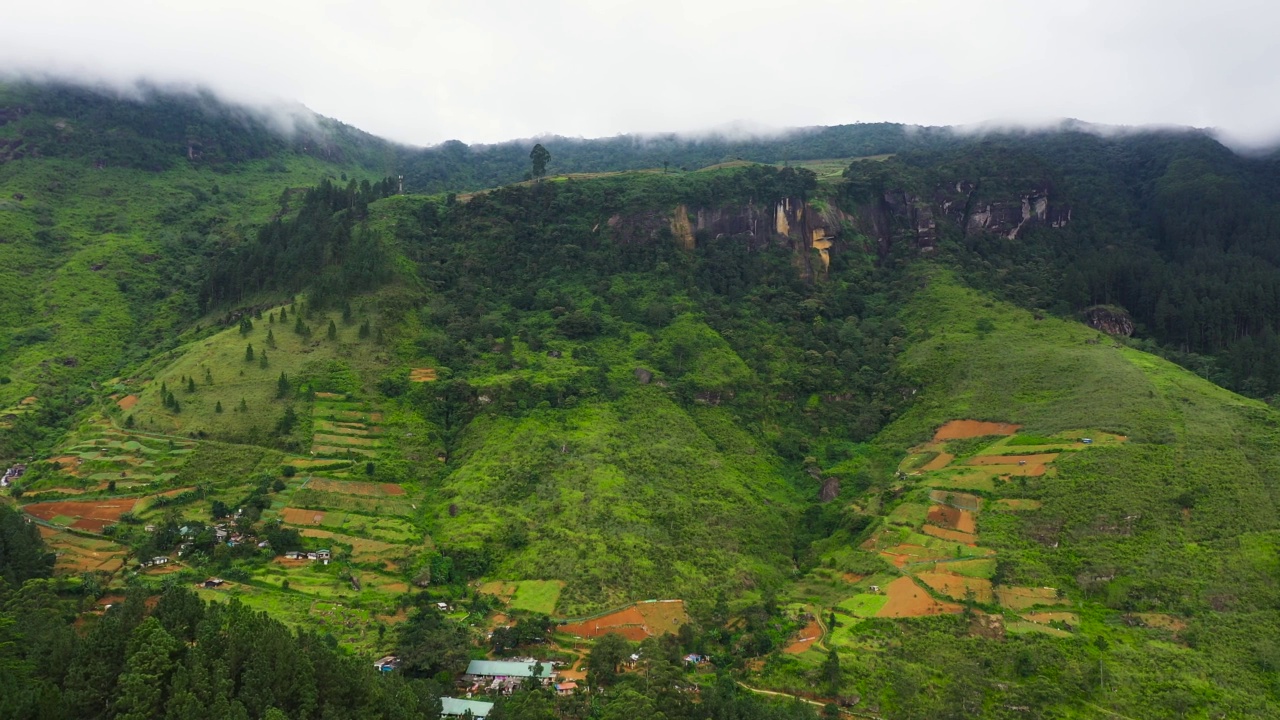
x: 502, y: 677
x: 212, y: 582
x: 457, y: 707
x: 387, y: 664
x: 566, y: 688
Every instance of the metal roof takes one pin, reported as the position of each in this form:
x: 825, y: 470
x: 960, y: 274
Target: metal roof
x: 456, y: 706
x: 507, y: 669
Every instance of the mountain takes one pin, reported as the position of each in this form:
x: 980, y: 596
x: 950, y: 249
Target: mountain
x: 904, y: 434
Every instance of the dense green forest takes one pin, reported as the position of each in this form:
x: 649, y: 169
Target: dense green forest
x: 504, y: 413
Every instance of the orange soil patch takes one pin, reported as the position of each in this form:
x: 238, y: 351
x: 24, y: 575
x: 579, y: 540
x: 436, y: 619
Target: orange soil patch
x: 1038, y: 459
x: 962, y: 429
x: 127, y: 402
x: 957, y: 586
x: 1044, y: 618
x: 28, y: 400
x: 952, y: 535
x: 422, y: 375
x: 91, y: 515
x: 1020, y: 598
x: 1162, y: 621
x: 851, y: 578
x: 67, y: 463
x: 298, y: 516
x: 906, y: 599
x: 951, y: 518
x: 634, y: 623
x: 939, y: 462
x: 355, y: 487
x: 1019, y: 504
x: 808, y: 636
x: 330, y: 396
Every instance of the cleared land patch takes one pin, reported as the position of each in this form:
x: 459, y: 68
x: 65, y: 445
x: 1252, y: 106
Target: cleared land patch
x: 299, y: 516
x: 355, y: 487
x: 907, y: 599
x: 945, y: 516
x: 1021, y: 598
x: 91, y: 515
x: 952, y: 535
x: 422, y: 375
x: 635, y: 623
x: 805, y: 638
x: 957, y: 586
x: 965, y: 429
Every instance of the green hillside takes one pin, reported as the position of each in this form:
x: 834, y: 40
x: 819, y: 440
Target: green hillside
x: 842, y: 434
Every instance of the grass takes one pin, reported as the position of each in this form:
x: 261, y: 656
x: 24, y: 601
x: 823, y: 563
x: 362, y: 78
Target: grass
x: 84, y: 279
x: 539, y: 596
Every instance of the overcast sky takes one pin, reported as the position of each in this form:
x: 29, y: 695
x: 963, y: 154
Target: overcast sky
x: 425, y: 71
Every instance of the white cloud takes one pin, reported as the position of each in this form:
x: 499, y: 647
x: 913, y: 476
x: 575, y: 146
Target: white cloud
x: 424, y: 72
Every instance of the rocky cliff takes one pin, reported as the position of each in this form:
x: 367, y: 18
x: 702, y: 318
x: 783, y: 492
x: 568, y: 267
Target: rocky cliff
x: 810, y: 232
x: 961, y: 206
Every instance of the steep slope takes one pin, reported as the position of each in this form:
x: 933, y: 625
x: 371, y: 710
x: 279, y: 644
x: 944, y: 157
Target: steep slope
x: 110, y: 209
x: 1133, y: 574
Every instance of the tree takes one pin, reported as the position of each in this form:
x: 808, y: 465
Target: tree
x: 540, y: 158
x: 248, y: 353
x: 606, y: 658
x: 831, y: 671
x: 262, y: 359
x: 364, y: 330
x: 282, y: 386
x: 217, y: 407
x: 208, y: 377
x: 128, y: 422
x: 271, y: 339
x: 141, y: 685
x: 333, y: 330
x: 191, y: 385
x: 243, y: 406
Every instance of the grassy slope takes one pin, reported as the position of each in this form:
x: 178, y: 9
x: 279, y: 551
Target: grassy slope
x: 1179, y: 520
x: 627, y: 499
x: 128, y: 224
x: 1192, y: 444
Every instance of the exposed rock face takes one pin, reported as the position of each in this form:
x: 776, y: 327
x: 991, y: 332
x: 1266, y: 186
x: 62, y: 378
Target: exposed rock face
x: 1109, y: 319
x: 898, y: 215
x: 810, y: 233
x: 830, y: 490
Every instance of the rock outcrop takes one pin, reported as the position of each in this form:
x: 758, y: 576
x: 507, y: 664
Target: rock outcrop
x: 1109, y: 319
x: 901, y: 216
x: 809, y: 232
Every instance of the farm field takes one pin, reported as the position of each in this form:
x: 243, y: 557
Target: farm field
x: 539, y: 596
x: 79, y: 554
x: 90, y: 515
x: 635, y: 622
